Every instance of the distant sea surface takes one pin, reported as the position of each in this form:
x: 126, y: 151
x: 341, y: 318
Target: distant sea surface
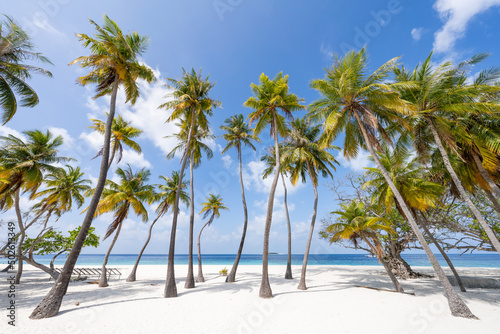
x: 466, y: 260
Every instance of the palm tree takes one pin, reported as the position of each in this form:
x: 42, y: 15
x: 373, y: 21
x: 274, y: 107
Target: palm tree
x: 22, y: 167
x: 122, y: 134
x: 64, y: 186
x: 270, y: 160
x: 197, y: 147
x: 15, y: 48
x: 237, y: 133
x: 302, y: 152
x: 418, y: 193
x: 354, y: 224
x: 113, y: 62
x: 131, y: 193
x: 192, y: 103
x: 271, y: 96
x: 166, y: 197
x: 211, y: 207
x: 438, y: 96
x: 361, y: 105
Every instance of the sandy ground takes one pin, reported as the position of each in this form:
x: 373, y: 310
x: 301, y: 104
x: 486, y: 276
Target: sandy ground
x: 332, y: 304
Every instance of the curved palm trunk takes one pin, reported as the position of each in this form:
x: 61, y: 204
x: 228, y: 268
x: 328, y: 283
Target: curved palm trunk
x: 103, y: 280
x: 170, y: 286
x: 190, y: 275
x: 457, y: 306
x: 200, y: 278
x: 112, y: 157
x: 232, y: 274
x: 288, y: 273
x: 302, y: 283
x: 131, y: 277
x: 443, y: 253
x: 50, y: 305
x: 265, y: 288
x: 486, y: 176
x: 20, y: 224
x: 487, y: 229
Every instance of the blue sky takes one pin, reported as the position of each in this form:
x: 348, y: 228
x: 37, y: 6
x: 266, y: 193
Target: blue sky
x: 234, y: 41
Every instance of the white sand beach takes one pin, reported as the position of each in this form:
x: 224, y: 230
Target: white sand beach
x: 332, y: 304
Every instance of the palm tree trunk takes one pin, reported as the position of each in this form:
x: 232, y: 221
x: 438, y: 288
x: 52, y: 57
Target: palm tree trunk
x: 457, y: 306
x: 190, y: 275
x: 486, y: 176
x: 170, y: 286
x: 265, y: 288
x: 40, y: 266
x: 200, y: 278
x: 423, y: 223
x: 302, y: 283
x: 19, y: 273
x: 103, y: 280
x: 487, y: 229
x: 493, y: 200
x: 40, y: 236
x: 50, y: 305
x: 232, y: 274
x: 112, y: 157
x: 131, y: 277
x: 288, y: 273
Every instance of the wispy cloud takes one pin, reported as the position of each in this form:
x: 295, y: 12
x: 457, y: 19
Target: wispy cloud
x: 457, y: 14
x: 416, y: 33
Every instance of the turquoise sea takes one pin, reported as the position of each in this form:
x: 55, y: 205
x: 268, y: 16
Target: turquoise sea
x: 465, y: 260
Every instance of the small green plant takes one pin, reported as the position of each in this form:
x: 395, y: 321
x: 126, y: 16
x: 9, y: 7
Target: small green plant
x: 223, y: 272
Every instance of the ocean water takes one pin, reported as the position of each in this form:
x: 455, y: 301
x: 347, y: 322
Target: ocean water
x: 465, y: 260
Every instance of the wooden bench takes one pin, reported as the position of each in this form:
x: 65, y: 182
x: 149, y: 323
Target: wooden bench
x: 92, y: 272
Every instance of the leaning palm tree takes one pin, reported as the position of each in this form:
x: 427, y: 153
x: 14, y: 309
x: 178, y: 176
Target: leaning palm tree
x: 130, y: 193
x: 15, y: 48
x: 271, y: 96
x: 360, y: 106
x: 197, y: 147
x: 113, y: 63
x: 191, y: 103
x: 122, y: 133
x: 270, y: 159
x: 304, y: 155
x: 237, y: 133
x: 418, y: 193
x: 211, y: 207
x: 354, y: 225
x: 166, y: 197
x: 438, y: 96
x: 22, y: 166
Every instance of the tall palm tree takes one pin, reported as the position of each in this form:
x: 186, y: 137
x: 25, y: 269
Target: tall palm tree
x: 418, y: 193
x: 122, y: 133
x: 15, y: 48
x: 360, y: 105
x: 191, y: 103
x: 130, y: 193
x: 271, y: 96
x: 237, y: 133
x: 113, y: 62
x: 270, y: 159
x: 166, y: 197
x: 211, y: 208
x: 22, y: 166
x: 197, y: 147
x: 438, y: 96
x: 354, y: 224
x: 306, y: 157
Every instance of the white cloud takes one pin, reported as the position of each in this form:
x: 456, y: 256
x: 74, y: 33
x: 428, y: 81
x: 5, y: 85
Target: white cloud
x: 416, y: 33
x: 134, y: 159
x: 6, y: 131
x: 358, y: 163
x: 456, y: 14
x: 228, y: 161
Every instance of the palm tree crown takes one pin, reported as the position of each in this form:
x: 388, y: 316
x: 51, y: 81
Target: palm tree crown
x: 167, y: 191
x: 15, y: 48
x: 237, y: 132
x: 212, y: 207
